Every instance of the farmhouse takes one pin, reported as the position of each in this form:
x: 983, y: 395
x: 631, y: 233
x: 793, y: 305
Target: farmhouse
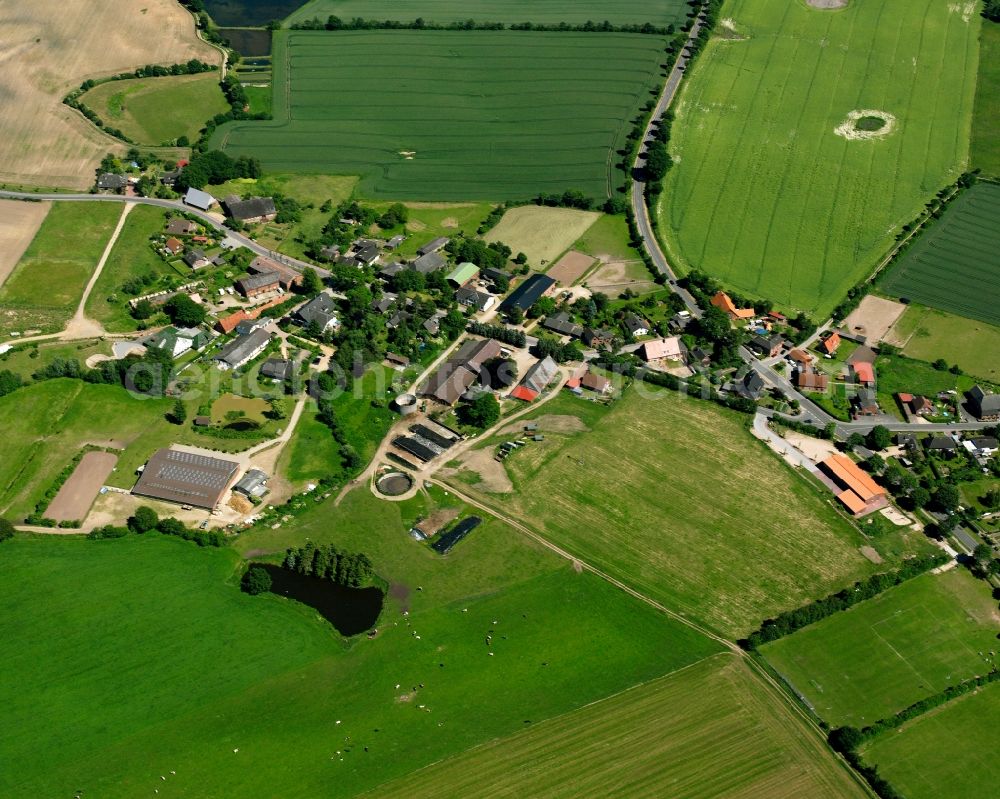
x: 428, y: 263
x: 830, y: 344
x: 199, y: 199
x: 229, y: 323
x: 174, y: 246
x: 810, y: 380
x: 252, y: 210
x: 985, y: 407
x: 365, y: 253
x: 196, y: 259
x: 598, y: 338
x: 750, y: 385
x: 528, y: 293
x: 181, y: 227
x: 185, y: 478
x: 596, y: 383
x: 433, y: 246
x: 561, y: 324
x: 277, y: 369
x: 800, y: 357
x: 319, y: 310
x: 255, y: 285
x: 287, y: 277
x: 863, y: 374
x: 859, y: 493
x: 111, y: 182
x: 240, y: 350
x: 462, y: 275
x: 766, y: 346
x: 636, y: 326
x: 725, y: 303
x: 454, y: 377
x: 176, y: 341
x: 661, y: 350
x: 472, y: 298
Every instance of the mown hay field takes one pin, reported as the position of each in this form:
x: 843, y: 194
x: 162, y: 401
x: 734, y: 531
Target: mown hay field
x: 453, y: 115
x: 948, y: 753
x: 157, y: 111
x: 888, y: 652
x: 674, y: 497
x: 548, y: 12
x: 49, y: 47
x: 242, y: 695
x: 20, y: 224
x: 541, y: 233
x: 955, y: 264
x: 43, y: 290
x: 765, y: 195
x: 711, y: 730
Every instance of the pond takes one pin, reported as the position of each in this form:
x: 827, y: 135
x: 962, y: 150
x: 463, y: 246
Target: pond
x: 349, y: 610
x: 248, y: 41
x: 232, y: 408
x: 236, y: 13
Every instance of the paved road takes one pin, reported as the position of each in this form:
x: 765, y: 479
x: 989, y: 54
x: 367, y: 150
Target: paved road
x: 639, y: 208
x: 173, y: 205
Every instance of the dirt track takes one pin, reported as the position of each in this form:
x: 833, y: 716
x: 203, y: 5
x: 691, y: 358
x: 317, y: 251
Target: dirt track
x: 78, y: 493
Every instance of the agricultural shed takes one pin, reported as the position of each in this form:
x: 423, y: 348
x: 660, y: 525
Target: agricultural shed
x: 199, y: 199
x: 528, y: 293
x: 185, y: 478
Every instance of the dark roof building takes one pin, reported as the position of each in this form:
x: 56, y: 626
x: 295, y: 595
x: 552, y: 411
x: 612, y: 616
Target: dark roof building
x: 287, y: 276
x: 940, y: 443
x: 985, y: 407
x: 185, y: 478
x: 766, y: 346
x: 428, y: 263
x: 321, y: 310
x: 252, y: 209
x: 598, y: 337
x: 181, y: 227
x: 636, y: 326
x: 277, y: 369
x: 252, y: 484
x: 473, y: 298
x: 240, y: 350
x: 454, y: 377
x: 196, y: 259
x: 112, y: 182
x: 433, y: 246
x: 561, y: 324
x: 751, y: 386
x: 251, y: 285
x: 540, y: 374
x: 528, y: 293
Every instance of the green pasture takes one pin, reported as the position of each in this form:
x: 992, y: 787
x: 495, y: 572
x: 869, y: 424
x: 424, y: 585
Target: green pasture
x: 930, y: 334
x: 30, y: 358
x: 765, y: 195
x: 43, y: 290
x: 985, y: 136
x: 896, y: 375
x: 923, y: 760
x: 674, y: 497
x: 313, y: 452
x: 712, y: 730
x: 453, y: 115
x: 49, y: 422
x: 955, y: 265
x: 131, y: 257
x: 273, y: 702
x: 157, y: 111
x: 885, y: 654
x: 547, y: 12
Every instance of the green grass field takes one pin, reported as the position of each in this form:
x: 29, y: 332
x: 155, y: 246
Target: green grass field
x: 131, y: 257
x: 43, y: 290
x: 674, y: 497
x: 955, y: 264
x: 452, y: 115
x: 931, y: 334
x: 312, y: 453
x: 549, y: 12
x: 49, y: 422
x: 921, y: 759
x: 158, y: 111
x: 885, y: 654
x: 766, y: 196
x: 985, y: 137
x: 266, y: 677
x: 709, y: 731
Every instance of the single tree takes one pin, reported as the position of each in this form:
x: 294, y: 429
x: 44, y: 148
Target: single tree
x: 855, y: 440
x: 184, y: 311
x: 6, y: 529
x: 256, y: 580
x: 946, y: 498
x: 879, y: 438
x: 920, y: 497
x: 311, y: 283
x: 482, y: 412
x: 143, y: 520
x: 179, y: 413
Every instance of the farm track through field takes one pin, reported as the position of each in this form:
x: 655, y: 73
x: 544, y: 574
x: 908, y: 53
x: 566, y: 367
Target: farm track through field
x: 779, y: 692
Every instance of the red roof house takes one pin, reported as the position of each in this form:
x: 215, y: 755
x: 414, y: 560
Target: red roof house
x: 524, y: 394
x: 830, y: 344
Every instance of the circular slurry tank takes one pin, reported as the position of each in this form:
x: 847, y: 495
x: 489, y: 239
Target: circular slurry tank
x: 394, y: 483
x: 406, y: 403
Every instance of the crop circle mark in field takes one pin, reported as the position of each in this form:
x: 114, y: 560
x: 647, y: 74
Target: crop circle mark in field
x: 827, y: 5
x: 866, y: 124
